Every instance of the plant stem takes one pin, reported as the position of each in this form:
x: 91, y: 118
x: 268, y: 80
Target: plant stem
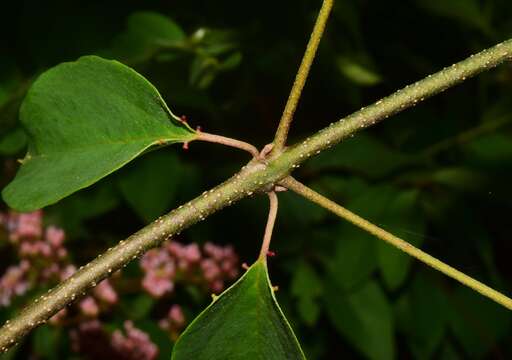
x: 395, y: 241
x: 301, y: 77
x: 256, y: 176
x: 218, y: 139
x: 272, y: 214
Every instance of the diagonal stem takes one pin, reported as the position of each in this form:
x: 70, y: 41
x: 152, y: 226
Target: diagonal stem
x: 269, y: 228
x: 254, y: 177
x: 301, y: 77
x: 393, y: 240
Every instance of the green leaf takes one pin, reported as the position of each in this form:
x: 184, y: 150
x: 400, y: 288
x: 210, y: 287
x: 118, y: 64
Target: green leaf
x: 403, y: 218
x: 355, y: 257
x: 151, y: 184
x: 45, y: 342
x: 362, y: 154
x: 364, y: 318
x: 147, y: 32
x: 244, y: 322
x: 13, y: 142
x: 423, y: 331
x: 357, y: 72
x: 86, y: 119
x: 468, y: 12
x: 478, y: 323
x: 307, y: 287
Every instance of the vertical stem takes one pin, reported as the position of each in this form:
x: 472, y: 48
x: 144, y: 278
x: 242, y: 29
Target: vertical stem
x: 302, y: 75
x: 409, y: 249
x: 272, y: 214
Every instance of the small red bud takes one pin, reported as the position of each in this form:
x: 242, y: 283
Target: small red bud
x: 185, y: 146
x: 271, y: 253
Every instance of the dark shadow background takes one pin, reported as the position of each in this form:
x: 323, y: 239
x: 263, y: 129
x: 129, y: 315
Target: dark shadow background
x: 438, y: 175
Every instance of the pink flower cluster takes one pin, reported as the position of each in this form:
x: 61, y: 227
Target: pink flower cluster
x: 14, y: 282
x: 135, y: 343
x: 43, y: 261
x: 210, y: 267
x: 90, y: 338
x: 174, y: 322
x: 41, y: 252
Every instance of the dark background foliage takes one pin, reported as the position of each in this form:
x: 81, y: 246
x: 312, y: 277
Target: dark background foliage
x: 438, y: 175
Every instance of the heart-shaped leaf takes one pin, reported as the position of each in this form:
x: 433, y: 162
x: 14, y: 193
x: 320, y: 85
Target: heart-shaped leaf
x: 245, y: 322
x: 84, y: 120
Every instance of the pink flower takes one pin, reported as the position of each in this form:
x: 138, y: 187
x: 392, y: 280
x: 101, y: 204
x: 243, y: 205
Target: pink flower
x: 59, y: 316
x: 175, y: 320
x: 210, y: 269
x: 67, y: 272
x: 217, y: 286
x: 156, y: 285
x: 136, y: 344
x: 159, y: 271
x: 214, y: 251
x: 176, y: 315
x: 105, y: 292
x: 191, y: 253
x: 14, y: 282
x: 26, y: 225
x: 89, y: 307
x: 55, y: 236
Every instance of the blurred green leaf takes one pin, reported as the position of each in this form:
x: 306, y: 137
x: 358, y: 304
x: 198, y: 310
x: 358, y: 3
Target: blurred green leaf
x: 214, y: 42
x: 468, y: 12
x: 139, y: 306
x: 298, y: 212
x: 401, y: 217
x: 355, y: 257
x: 13, y: 142
x: 45, y: 342
x: 460, y: 178
x: 151, y: 184
x: 494, y: 150
x: 74, y: 210
x: 85, y: 120
x: 158, y: 336
x: 244, y: 322
x: 357, y: 72
x: 146, y: 33
x: 307, y: 287
x: 362, y: 154
x: 364, y: 318
x: 478, y: 323
x: 422, y: 317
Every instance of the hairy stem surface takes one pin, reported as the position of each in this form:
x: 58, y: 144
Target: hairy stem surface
x: 258, y: 175
x: 301, y: 77
x: 395, y: 241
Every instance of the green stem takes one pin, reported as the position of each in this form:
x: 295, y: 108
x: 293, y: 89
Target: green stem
x: 395, y: 241
x: 301, y: 77
x: 258, y: 175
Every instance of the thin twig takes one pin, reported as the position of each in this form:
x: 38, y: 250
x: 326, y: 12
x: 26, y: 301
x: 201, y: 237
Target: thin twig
x: 301, y: 77
x: 218, y: 139
x: 256, y: 176
x: 409, y: 249
x: 269, y: 228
